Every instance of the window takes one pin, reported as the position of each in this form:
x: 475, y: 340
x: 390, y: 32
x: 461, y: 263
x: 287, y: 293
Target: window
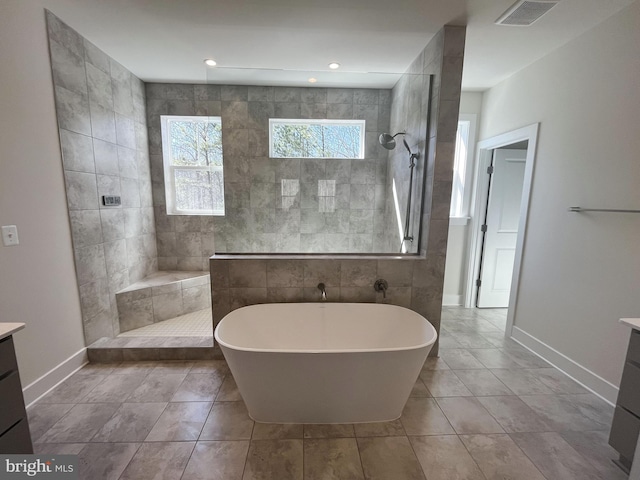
x: 316, y: 138
x: 192, y: 155
x: 462, y: 168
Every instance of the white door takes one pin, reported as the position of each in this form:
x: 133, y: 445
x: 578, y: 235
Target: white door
x: 503, y: 215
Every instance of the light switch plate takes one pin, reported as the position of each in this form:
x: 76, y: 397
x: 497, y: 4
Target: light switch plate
x: 10, y: 235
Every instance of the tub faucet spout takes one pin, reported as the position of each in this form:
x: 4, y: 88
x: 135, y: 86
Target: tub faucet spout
x: 324, y: 292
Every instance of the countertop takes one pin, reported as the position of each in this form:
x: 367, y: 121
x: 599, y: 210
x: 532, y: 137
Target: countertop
x: 7, y: 329
x: 631, y: 322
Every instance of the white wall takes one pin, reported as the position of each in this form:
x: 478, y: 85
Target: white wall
x: 580, y: 272
x: 457, y: 248
x: 37, y: 280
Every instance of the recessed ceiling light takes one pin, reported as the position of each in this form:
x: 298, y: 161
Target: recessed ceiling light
x: 313, y: 80
x: 210, y: 62
x: 334, y: 65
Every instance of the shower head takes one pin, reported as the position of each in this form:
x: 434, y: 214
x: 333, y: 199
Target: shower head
x: 388, y: 141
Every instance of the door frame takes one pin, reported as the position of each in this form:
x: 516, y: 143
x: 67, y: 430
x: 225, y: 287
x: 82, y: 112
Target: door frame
x: 480, y: 197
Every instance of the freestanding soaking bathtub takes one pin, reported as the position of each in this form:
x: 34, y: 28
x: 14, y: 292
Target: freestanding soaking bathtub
x: 325, y: 362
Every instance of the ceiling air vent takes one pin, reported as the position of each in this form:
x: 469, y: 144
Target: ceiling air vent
x: 525, y: 12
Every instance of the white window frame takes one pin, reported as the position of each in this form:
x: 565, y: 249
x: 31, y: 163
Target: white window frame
x: 462, y: 217
x: 315, y: 121
x: 170, y: 168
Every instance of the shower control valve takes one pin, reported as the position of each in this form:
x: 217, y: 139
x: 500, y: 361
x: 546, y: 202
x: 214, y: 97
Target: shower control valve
x: 381, y: 285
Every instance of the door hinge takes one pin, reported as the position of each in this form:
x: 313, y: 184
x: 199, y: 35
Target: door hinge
x: 483, y: 228
x: 490, y: 169
x: 478, y: 283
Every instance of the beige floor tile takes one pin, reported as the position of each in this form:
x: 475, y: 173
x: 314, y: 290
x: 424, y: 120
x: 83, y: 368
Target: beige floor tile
x: 494, y: 358
x: 175, y: 367
x: 105, y: 461
x: 328, y: 431
x: 445, y: 458
x: 332, y: 459
x: 180, y: 422
x: 500, y: 458
x: 227, y: 421
x: 379, y: 429
x: 74, y: 389
x: 460, y: 359
x: 554, y: 457
x: 156, y: 387
x: 80, y: 424
x: 435, y: 363
x: 482, y: 382
x: 514, y: 415
x: 422, y: 416
x: 114, y: 389
x: 521, y: 382
x: 228, y: 391
x: 595, y: 448
x: 468, y: 416
x: 132, y: 422
x: 385, y: 458
x: 198, y: 387
x: 43, y: 416
x: 272, y: 459
x: 419, y: 389
x: 217, y: 461
x: 155, y: 461
x: 444, y: 383
x: 562, y: 412
x: 273, y: 431
x: 58, y: 448
x: 557, y: 381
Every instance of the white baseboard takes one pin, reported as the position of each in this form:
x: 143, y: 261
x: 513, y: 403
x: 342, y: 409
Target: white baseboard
x: 35, y: 390
x: 585, y: 377
x: 451, y: 300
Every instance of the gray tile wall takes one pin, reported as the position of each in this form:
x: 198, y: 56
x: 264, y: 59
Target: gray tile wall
x: 415, y: 281
x: 103, y: 135
x: 258, y: 217
x: 409, y: 113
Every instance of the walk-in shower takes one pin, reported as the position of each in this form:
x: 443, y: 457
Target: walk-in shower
x: 388, y: 141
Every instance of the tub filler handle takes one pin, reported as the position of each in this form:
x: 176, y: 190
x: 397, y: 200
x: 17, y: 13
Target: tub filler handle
x: 381, y: 285
x: 324, y: 292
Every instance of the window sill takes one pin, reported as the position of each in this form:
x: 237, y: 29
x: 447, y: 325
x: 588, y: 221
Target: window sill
x: 459, y: 221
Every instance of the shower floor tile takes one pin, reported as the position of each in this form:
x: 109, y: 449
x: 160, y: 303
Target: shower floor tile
x: 196, y: 324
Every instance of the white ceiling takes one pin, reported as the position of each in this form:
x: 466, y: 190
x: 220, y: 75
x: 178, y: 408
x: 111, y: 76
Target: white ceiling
x: 167, y: 40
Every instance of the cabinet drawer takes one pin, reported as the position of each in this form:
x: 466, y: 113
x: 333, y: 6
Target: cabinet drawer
x: 629, y: 394
x: 11, y: 401
x: 7, y: 356
x: 17, y: 440
x: 633, y: 353
x: 624, y: 432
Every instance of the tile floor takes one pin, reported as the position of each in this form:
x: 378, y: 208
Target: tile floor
x: 486, y: 409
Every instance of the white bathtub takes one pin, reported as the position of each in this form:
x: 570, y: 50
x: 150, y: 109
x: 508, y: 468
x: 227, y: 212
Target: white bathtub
x: 325, y: 362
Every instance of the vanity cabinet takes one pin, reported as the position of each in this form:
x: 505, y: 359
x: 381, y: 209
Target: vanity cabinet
x: 626, y: 418
x: 14, y: 427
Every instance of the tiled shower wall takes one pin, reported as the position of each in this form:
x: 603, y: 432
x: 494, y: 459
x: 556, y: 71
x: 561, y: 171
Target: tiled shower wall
x: 100, y: 107
x: 409, y: 113
x: 258, y: 218
x: 415, y: 281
